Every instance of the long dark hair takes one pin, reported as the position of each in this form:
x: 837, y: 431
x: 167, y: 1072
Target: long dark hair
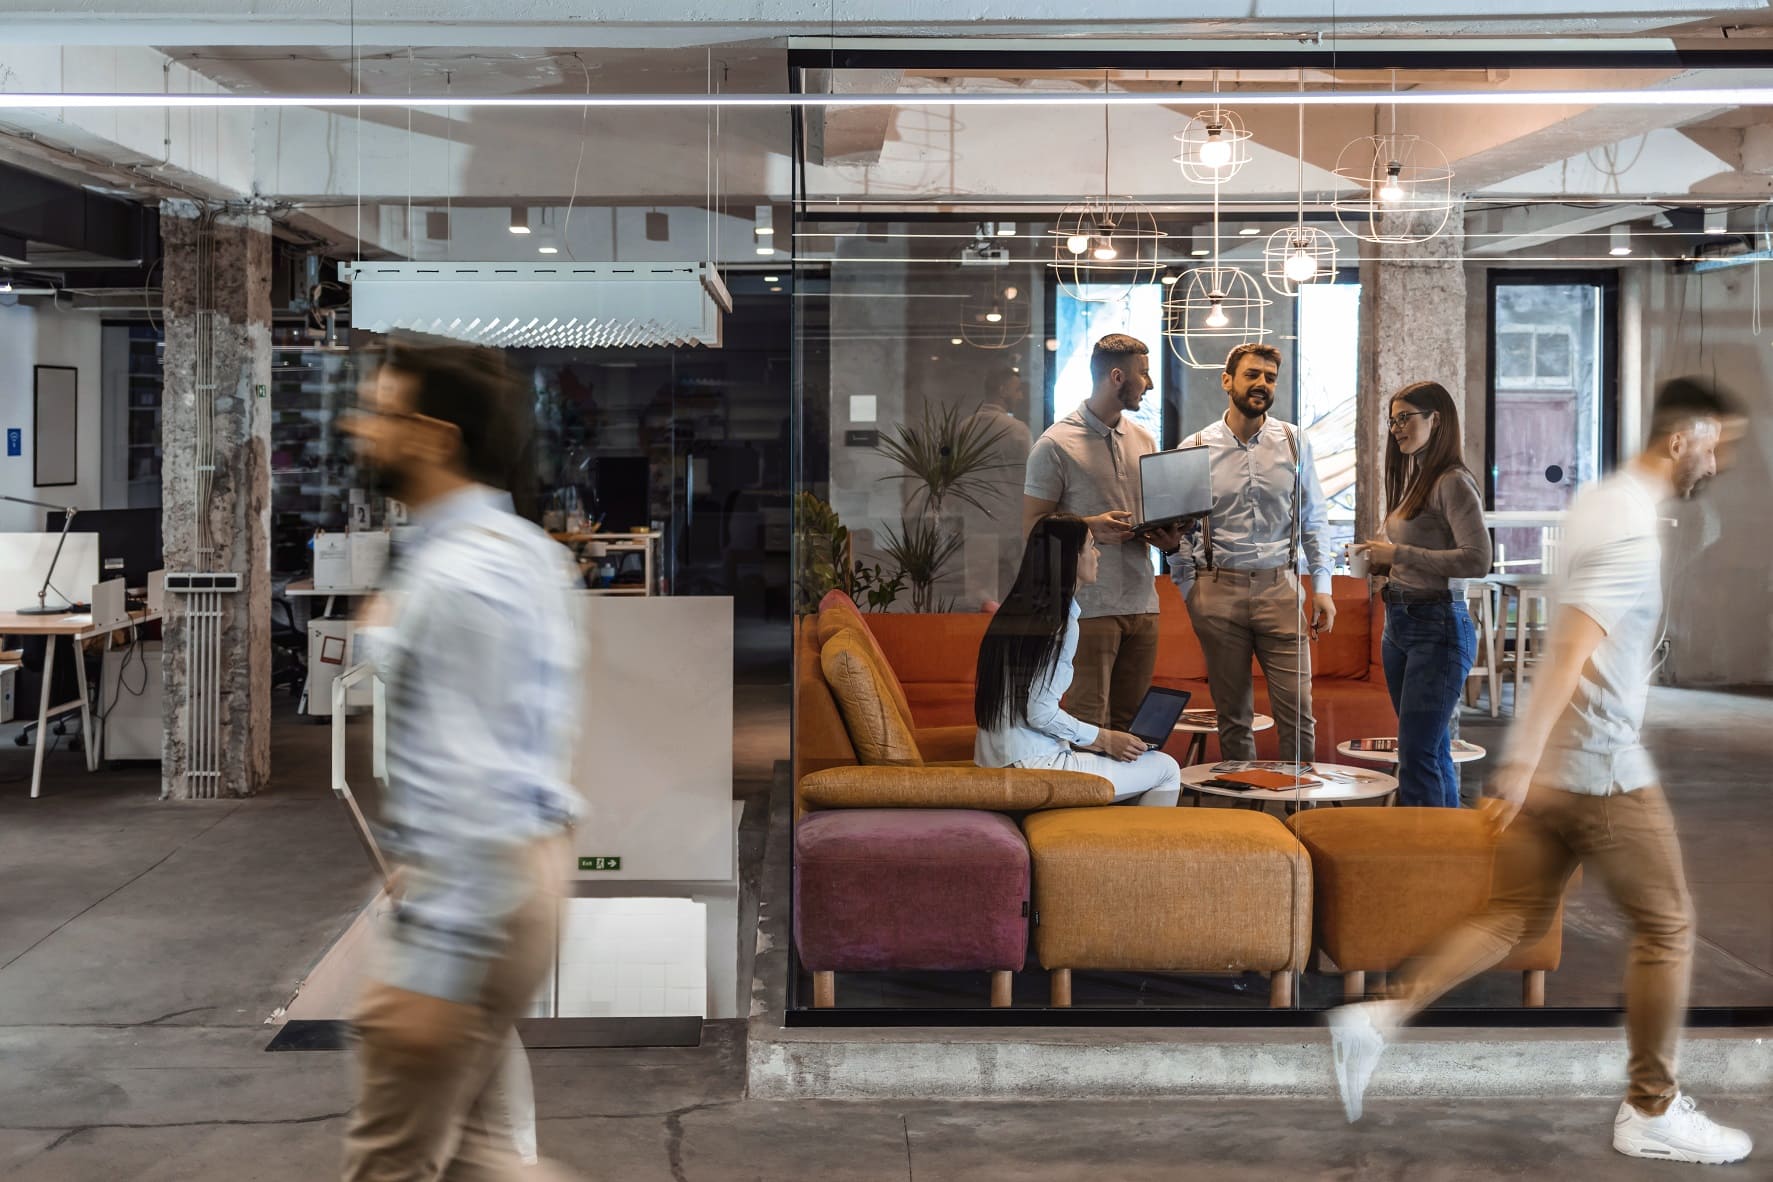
x: 1406, y: 491
x: 1023, y: 638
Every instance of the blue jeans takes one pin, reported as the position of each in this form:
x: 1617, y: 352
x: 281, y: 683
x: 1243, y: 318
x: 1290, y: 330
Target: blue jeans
x: 1428, y: 651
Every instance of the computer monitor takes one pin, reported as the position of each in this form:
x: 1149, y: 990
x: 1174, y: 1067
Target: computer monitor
x: 129, y: 540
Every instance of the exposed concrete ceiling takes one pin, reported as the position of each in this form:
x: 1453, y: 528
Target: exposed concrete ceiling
x: 327, y: 161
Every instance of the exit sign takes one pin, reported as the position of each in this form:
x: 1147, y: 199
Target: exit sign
x: 600, y: 863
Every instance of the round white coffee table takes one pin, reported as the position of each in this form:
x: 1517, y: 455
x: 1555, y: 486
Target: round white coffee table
x: 1463, y: 752
x: 1197, y: 744
x: 1345, y: 784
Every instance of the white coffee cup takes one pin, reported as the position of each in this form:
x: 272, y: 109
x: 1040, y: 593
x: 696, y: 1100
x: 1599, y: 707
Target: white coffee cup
x: 1358, y: 563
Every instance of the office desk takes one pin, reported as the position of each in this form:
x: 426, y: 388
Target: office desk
x: 78, y: 627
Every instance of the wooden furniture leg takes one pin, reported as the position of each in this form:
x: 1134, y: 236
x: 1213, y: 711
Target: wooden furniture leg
x: 1533, y: 988
x: 1354, y: 986
x: 1000, y: 989
x: 1280, y: 990
x: 1061, y: 987
x: 824, y: 990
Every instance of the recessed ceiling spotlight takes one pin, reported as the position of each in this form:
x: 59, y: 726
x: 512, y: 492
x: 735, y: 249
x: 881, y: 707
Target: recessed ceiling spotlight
x: 1620, y: 237
x: 547, y: 250
x: 519, y: 219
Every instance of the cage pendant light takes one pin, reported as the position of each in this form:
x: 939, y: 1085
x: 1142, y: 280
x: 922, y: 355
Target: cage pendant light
x: 1213, y: 308
x: 995, y: 314
x: 1104, y: 247
x: 1215, y: 144
x: 1298, y: 254
x: 1401, y: 186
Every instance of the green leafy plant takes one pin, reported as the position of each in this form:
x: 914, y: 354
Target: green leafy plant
x: 922, y: 552
x: 824, y: 562
x: 947, y: 456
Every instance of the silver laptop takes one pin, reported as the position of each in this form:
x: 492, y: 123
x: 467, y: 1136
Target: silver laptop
x: 1174, y: 486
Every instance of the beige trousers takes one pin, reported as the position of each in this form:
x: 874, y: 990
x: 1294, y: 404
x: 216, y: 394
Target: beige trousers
x: 1243, y: 614
x: 1629, y: 840
x: 430, y: 1106
x: 1112, y: 669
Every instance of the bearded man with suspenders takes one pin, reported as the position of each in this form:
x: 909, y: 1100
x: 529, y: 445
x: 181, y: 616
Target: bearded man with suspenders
x: 1240, y: 572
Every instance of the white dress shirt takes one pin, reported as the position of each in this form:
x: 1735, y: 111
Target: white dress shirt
x: 1045, y: 728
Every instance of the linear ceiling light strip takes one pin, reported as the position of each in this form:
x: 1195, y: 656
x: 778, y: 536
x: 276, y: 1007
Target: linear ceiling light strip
x: 1732, y: 96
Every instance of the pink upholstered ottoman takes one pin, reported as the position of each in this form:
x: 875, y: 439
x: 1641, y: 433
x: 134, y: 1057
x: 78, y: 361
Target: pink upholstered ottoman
x: 910, y: 889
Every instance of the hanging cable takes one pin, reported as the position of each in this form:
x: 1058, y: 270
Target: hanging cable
x: 566, y: 223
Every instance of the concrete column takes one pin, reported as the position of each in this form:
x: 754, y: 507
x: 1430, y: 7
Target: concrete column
x: 1412, y: 329
x: 217, y: 284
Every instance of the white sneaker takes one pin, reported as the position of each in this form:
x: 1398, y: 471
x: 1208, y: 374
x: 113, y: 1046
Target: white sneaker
x: 1683, y: 1133
x: 1358, y: 1034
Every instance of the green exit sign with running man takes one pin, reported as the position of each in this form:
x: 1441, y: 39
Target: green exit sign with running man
x: 600, y: 863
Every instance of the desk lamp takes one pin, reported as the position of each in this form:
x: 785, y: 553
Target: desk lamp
x: 68, y: 512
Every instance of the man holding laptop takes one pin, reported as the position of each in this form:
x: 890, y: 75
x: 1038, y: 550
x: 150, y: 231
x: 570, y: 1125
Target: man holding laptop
x: 1240, y: 573
x: 1087, y: 464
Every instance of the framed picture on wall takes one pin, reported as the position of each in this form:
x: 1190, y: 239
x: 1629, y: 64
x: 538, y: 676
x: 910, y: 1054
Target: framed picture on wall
x: 55, y: 424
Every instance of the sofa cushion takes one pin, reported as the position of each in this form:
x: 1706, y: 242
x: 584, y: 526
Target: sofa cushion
x: 965, y: 786
x: 837, y: 611
x: 935, y: 647
x: 881, y: 733
x: 1346, y: 652
x: 910, y: 889
x: 1392, y: 880
x: 1203, y: 889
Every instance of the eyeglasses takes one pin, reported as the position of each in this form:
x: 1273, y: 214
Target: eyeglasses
x: 1399, y: 420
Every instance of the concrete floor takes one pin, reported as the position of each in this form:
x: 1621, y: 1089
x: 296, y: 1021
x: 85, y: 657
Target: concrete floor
x: 143, y: 945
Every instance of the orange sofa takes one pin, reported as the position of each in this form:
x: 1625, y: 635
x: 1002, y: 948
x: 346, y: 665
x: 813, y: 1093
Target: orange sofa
x: 934, y: 656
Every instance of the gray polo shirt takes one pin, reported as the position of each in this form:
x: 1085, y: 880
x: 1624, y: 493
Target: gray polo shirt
x: 1090, y: 468
x: 1611, y: 572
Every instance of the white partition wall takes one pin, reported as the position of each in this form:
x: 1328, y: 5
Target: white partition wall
x: 655, y: 755
x: 25, y: 558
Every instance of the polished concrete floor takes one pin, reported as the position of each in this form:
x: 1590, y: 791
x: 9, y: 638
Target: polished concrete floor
x: 143, y: 946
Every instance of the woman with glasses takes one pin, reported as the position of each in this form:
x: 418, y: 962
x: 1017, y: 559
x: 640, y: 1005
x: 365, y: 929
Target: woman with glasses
x: 1432, y: 540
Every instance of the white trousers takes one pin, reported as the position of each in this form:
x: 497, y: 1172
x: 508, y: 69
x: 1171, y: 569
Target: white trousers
x: 1154, y: 777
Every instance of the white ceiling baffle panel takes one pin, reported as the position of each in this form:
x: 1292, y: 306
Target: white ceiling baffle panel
x: 542, y: 305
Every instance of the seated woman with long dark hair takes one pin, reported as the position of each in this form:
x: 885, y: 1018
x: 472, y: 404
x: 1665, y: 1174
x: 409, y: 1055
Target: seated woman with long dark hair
x: 1025, y: 668
x: 1432, y: 540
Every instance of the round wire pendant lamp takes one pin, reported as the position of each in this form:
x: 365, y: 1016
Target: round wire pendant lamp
x: 995, y: 315
x: 1210, y: 310
x: 1215, y: 147
x: 1402, y: 188
x: 1296, y: 256
x: 1300, y: 253
x: 1103, y: 247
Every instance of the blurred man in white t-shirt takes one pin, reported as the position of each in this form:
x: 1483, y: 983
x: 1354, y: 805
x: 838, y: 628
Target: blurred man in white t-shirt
x: 1577, y: 787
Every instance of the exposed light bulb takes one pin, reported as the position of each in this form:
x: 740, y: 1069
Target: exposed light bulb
x: 1217, y: 317
x: 1077, y: 243
x: 1168, y: 279
x: 1391, y: 190
x: 1009, y: 293
x: 1215, y: 152
x: 1105, y: 249
x: 1299, y: 267
x: 954, y: 340
x: 993, y: 316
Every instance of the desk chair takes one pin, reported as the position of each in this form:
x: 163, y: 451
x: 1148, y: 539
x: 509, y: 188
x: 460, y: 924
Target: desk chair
x: 28, y: 683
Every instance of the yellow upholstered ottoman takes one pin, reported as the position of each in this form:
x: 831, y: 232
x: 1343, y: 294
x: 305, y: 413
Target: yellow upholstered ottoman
x: 1391, y: 881
x: 1169, y: 890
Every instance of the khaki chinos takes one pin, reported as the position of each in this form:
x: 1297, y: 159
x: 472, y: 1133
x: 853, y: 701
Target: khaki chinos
x: 430, y: 1106
x: 1628, y: 838
x: 1243, y: 614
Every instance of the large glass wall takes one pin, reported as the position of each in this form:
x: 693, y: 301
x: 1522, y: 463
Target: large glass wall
x: 943, y: 327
